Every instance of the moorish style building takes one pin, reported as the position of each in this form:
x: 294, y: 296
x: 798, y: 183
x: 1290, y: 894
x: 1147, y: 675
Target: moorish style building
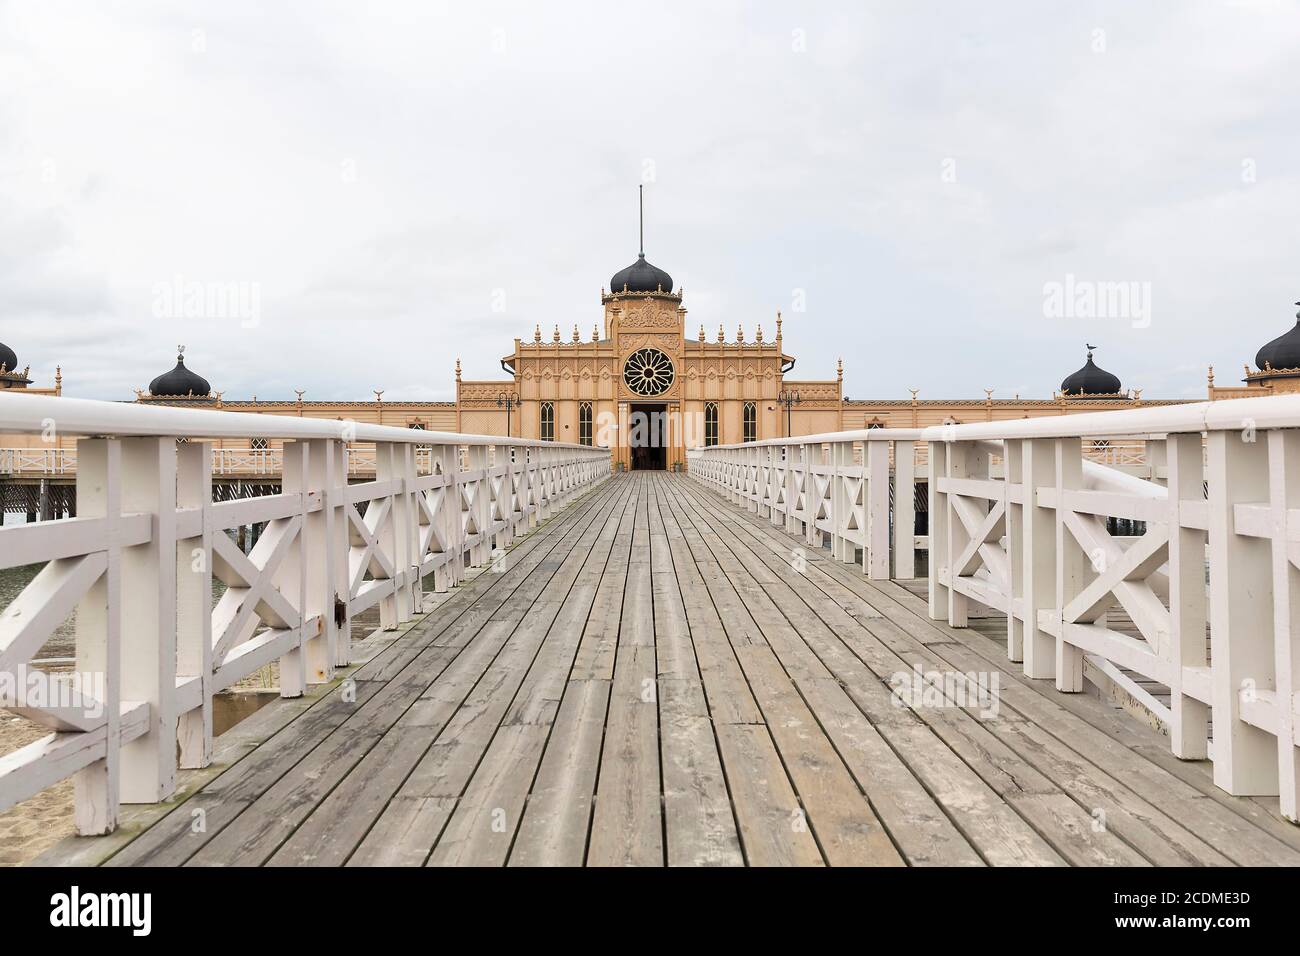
x: 646, y: 388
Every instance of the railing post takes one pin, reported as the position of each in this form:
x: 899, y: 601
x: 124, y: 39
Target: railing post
x: 1242, y: 613
x: 388, y: 468
x: 936, y: 467
x: 1036, y: 574
x: 1189, y: 722
x: 445, y: 504
x: 149, y: 619
x: 876, y: 554
x: 959, y: 466
x: 336, y: 528
x: 1013, y: 470
x: 904, y: 510
x: 1070, y: 579
x: 1284, y: 484
x: 291, y: 576
x: 98, y: 632
x: 194, y: 601
x: 319, y: 564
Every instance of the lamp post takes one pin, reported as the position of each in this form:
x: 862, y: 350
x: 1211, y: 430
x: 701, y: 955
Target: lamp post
x: 789, y: 400
x: 507, y: 401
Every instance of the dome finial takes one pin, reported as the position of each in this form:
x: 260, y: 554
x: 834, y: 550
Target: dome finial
x: 640, y: 195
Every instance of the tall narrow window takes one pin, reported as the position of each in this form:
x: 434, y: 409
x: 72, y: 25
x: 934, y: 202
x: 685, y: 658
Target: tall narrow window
x: 751, y: 421
x: 584, y: 423
x: 711, y: 423
x: 548, y: 421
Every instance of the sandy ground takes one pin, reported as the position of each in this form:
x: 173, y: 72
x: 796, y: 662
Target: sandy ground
x: 34, y: 825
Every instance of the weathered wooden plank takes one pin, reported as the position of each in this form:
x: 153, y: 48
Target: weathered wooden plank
x: 699, y: 824
x: 627, y: 826
x: 773, y: 825
x: 553, y: 831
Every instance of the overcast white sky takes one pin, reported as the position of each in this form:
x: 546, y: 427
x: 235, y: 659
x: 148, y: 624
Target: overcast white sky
x: 388, y: 175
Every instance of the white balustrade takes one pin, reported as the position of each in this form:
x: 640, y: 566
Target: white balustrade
x: 832, y: 488
x: 1020, y: 519
x: 136, y: 565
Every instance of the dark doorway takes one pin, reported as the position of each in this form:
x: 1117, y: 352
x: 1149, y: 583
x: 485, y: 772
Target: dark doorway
x: 647, y: 437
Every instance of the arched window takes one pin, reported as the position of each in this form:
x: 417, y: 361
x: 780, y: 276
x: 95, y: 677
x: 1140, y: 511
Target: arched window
x: 548, y: 421
x: 751, y: 421
x: 584, y: 423
x: 711, y: 423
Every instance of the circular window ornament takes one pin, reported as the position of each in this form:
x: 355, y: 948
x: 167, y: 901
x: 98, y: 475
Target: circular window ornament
x: 648, y: 372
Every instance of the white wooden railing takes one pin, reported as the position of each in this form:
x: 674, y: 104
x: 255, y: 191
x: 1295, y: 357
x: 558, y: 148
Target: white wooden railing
x: 226, y: 462
x: 831, y: 488
x: 1018, y: 521
x: 136, y: 566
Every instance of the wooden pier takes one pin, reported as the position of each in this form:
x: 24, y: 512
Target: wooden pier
x: 655, y: 676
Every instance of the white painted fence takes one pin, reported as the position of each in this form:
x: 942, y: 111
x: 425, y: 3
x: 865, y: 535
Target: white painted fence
x: 829, y: 488
x: 1018, y: 522
x: 136, y: 564
x: 236, y: 462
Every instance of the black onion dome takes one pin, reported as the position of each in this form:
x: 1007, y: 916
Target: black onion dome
x: 641, y: 276
x: 179, y: 382
x: 8, y: 359
x: 1090, y: 380
x: 1283, y: 352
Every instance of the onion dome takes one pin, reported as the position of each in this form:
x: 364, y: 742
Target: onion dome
x: 1091, y: 380
x: 8, y: 359
x: 180, y: 382
x: 641, y: 276
x: 1283, y: 352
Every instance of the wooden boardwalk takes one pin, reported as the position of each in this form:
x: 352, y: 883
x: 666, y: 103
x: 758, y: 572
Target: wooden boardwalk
x: 656, y: 677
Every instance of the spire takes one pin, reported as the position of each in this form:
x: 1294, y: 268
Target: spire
x: 640, y: 193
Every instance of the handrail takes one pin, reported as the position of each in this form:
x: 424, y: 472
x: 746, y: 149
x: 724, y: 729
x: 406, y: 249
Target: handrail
x: 37, y: 414
x: 137, y: 566
x: 1102, y: 574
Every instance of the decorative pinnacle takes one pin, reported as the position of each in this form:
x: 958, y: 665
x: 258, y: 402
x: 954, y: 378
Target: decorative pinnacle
x: 537, y: 332
x: 740, y: 333
x: 701, y: 331
x: 758, y: 335
x: 556, y: 336
x: 180, y: 353
x: 721, y: 335
x: 595, y: 332
x: 576, y: 336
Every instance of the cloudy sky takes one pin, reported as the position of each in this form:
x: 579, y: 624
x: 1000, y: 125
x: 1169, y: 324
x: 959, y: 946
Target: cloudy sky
x: 387, y: 186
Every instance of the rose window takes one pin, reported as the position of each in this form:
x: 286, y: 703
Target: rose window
x: 648, y: 372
